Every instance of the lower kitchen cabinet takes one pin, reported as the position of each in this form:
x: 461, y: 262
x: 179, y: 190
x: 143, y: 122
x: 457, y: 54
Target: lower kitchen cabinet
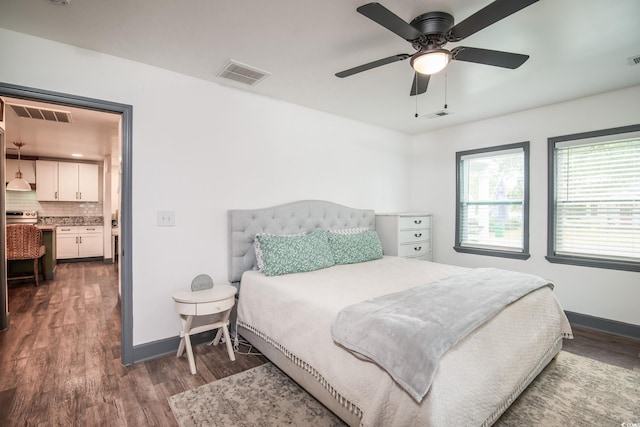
x: 79, y: 242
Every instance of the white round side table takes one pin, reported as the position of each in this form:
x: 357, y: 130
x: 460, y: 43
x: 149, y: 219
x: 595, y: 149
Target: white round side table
x: 217, y: 301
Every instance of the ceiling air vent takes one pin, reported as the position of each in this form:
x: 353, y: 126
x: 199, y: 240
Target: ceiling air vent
x: 437, y: 114
x: 243, y: 73
x: 634, y: 60
x: 28, y: 112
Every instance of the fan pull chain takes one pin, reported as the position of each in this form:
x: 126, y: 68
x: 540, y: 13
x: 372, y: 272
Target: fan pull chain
x: 415, y: 78
x: 445, y: 89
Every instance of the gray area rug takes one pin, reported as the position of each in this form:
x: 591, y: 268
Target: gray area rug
x: 571, y: 391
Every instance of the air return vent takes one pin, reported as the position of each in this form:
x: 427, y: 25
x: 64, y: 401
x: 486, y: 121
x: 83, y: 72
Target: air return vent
x: 634, y: 60
x: 29, y: 112
x: 243, y: 73
x: 437, y: 114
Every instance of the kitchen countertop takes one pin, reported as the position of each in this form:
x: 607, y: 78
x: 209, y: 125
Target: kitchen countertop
x: 71, y: 220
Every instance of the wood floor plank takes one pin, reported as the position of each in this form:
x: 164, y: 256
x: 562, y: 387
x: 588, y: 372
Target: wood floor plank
x: 6, y: 401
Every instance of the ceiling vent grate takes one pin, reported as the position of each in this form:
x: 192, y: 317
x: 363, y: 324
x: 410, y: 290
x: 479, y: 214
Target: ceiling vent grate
x: 437, y: 114
x: 243, y: 73
x: 29, y: 112
x: 634, y: 60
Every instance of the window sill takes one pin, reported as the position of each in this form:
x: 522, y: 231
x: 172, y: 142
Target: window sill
x: 595, y: 263
x: 490, y: 252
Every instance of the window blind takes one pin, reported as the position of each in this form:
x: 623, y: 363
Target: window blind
x: 492, y: 199
x: 597, y: 200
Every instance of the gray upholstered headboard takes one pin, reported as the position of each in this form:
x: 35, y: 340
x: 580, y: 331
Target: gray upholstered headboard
x: 296, y: 217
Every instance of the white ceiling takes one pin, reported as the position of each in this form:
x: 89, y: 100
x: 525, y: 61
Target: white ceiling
x: 577, y: 48
x: 92, y: 134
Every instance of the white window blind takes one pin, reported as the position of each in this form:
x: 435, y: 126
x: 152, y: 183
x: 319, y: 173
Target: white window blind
x: 492, y: 200
x: 597, y: 200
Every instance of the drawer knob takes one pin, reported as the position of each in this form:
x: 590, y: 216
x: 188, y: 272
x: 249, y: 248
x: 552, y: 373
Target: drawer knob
x: 417, y: 248
x: 418, y: 234
x: 417, y: 221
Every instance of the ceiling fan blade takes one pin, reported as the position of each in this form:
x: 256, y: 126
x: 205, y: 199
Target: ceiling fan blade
x: 486, y: 16
x: 488, y: 57
x: 420, y: 84
x: 374, y: 64
x: 383, y: 16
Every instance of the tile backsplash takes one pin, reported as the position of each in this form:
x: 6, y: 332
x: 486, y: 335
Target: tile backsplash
x: 26, y: 201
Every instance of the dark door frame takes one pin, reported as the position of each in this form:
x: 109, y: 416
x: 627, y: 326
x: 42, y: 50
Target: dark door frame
x: 125, y: 259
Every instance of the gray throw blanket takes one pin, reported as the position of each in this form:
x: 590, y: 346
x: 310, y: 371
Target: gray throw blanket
x: 407, y: 332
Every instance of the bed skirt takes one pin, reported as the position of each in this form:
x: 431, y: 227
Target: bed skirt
x: 309, y: 382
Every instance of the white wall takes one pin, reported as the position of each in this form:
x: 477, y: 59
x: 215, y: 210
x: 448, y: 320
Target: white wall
x: 200, y: 149
x: 609, y: 294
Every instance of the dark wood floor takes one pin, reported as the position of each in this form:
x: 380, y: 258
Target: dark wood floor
x: 60, y: 359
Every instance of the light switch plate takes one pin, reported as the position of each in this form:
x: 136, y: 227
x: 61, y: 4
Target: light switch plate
x: 166, y: 218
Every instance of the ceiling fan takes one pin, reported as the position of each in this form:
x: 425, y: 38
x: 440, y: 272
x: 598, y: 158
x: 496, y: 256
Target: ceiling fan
x: 429, y: 32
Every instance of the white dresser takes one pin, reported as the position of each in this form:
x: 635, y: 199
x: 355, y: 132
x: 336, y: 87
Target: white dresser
x: 406, y: 235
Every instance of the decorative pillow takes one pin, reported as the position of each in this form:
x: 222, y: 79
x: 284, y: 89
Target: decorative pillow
x: 258, y: 250
x: 285, y: 254
x: 350, y: 230
x: 353, y: 248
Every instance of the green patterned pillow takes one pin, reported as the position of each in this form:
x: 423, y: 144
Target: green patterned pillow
x: 352, y: 248
x: 284, y: 254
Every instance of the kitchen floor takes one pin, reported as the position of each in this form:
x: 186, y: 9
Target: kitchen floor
x: 60, y: 359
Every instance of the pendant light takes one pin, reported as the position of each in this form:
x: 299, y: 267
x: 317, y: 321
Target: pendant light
x: 18, y: 183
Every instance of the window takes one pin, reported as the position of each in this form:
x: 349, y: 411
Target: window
x: 492, y: 198
x: 594, y: 199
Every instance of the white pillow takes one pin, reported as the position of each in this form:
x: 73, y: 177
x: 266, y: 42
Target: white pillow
x: 355, y: 230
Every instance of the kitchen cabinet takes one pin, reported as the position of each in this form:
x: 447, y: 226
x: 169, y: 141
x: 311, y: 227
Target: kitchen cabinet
x: 79, y: 241
x: 46, y: 180
x: 405, y: 235
x: 66, y: 181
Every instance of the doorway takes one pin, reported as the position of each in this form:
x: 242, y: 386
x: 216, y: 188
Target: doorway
x: 124, y: 254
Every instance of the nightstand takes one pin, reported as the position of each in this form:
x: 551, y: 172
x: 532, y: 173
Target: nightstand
x: 406, y: 235
x: 216, y: 303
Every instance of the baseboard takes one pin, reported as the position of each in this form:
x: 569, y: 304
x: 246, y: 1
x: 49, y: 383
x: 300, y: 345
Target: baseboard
x: 604, y: 325
x: 154, y: 349
x: 69, y: 260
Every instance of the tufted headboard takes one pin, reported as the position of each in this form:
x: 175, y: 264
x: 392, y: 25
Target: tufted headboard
x: 296, y: 217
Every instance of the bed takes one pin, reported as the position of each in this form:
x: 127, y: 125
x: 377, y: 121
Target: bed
x: 289, y: 318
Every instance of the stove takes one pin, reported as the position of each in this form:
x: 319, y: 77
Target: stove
x: 22, y: 217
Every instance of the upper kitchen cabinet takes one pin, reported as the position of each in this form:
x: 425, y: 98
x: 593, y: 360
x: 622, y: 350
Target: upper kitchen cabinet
x: 66, y: 181
x: 46, y: 181
x: 77, y: 182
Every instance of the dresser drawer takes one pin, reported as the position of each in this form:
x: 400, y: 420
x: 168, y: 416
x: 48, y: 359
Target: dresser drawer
x: 408, y: 236
x: 413, y: 222
x: 204, y: 308
x: 418, y: 249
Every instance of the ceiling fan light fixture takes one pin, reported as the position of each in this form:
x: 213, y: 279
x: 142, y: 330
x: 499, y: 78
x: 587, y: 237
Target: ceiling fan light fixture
x: 431, y: 61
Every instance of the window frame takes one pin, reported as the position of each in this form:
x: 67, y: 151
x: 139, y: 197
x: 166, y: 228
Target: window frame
x: 584, y: 261
x: 524, y: 253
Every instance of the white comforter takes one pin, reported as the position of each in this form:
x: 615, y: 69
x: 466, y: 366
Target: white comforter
x: 475, y: 379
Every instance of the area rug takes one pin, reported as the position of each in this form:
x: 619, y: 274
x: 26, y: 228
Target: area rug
x: 571, y: 391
